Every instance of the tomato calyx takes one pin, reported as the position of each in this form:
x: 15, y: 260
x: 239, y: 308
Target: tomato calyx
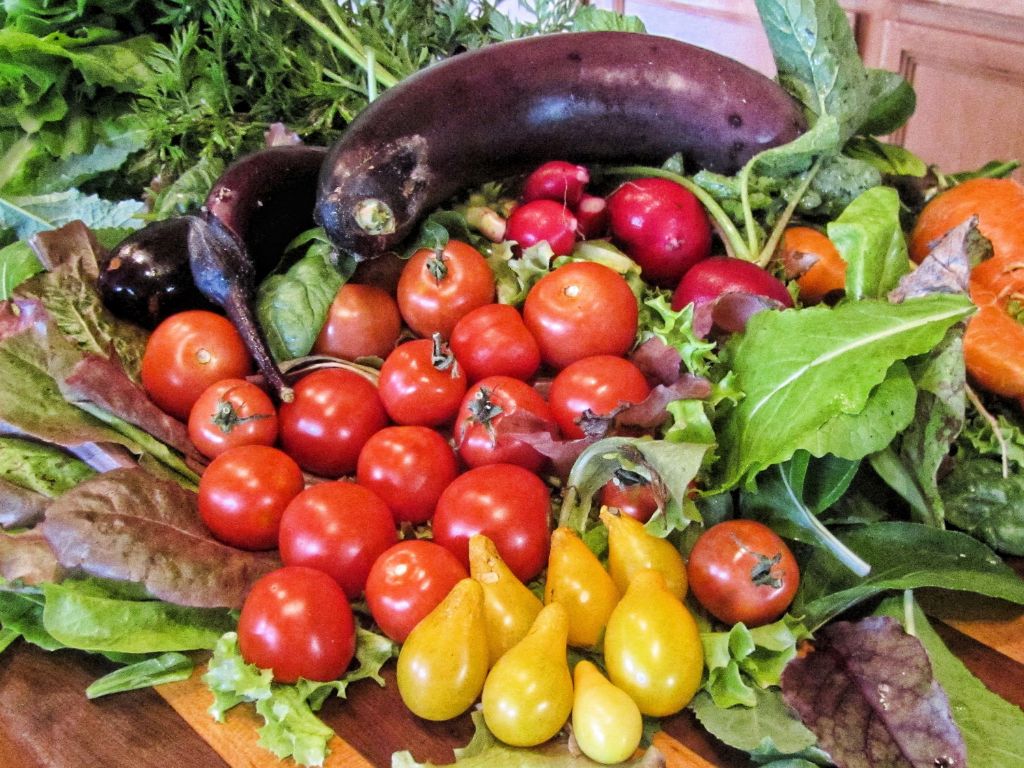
x: 437, y: 267
x: 484, y: 410
x: 226, y: 418
x: 442, y: 357
x: 761, y: 574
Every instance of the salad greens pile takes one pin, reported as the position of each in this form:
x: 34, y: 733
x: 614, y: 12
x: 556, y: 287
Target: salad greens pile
x: 849, y: 427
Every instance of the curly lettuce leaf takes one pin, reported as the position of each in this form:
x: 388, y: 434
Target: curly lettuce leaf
x: 291, y: 727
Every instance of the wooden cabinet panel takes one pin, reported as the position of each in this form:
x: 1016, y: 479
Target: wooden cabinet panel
x: 970, y: 94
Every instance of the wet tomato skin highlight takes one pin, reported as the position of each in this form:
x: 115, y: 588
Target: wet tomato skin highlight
x: 298, y: 623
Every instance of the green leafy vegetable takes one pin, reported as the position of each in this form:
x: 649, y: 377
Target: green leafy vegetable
x: 902, y: 556
x: 741, y: 659
x: 993, y: 729
x: 166, y: 668
x: 869, y: 236
x: 766, y: 730
x: 291, y: 727
x: 39, y: 467
x: 980, y: 500
x: 292, y: 307
x: 79, y: 616
x: 801, y: 369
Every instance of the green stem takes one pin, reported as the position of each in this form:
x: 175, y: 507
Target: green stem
x: 780, y: 226
x: 731, y: 235
x: 381, y: 75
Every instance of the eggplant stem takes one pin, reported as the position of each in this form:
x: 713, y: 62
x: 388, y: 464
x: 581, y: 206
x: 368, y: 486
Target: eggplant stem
x: 241, y: 315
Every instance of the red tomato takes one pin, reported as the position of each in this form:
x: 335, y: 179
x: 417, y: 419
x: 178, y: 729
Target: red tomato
x: 493, y: 340
x: 187, y: 353
x: 339, y: 528
x: 363, y: 321
x: 631, y: 494
x: 421, y: 383
x: 408, y: 467
x: 662, y: 226
x: 741, y: 570
x: 407, y: 582
x: 509, y: 504
x: 598, y: 384
x: 244, y: 492
x: 488, y: 404
x: 332, y: 416
x: 298, y: 623
x: 579, y: 310
x: 436, y: 289
x: 543, y: 220
x: 230, y: 413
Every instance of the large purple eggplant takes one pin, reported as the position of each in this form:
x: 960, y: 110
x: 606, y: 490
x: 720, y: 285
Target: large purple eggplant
x: 587, y: 97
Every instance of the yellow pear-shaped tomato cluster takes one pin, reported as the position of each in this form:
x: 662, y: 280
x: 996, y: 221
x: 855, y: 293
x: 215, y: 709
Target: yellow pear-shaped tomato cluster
x: 494, y: 640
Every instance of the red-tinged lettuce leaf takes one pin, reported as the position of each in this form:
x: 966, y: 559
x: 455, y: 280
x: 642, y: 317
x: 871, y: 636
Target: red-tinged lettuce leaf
x: 132, y: 526
x: 27, y: 557
x: 103, y: 382
x: 67, y: 289
x: 868, y: 694
x: 20, y: 507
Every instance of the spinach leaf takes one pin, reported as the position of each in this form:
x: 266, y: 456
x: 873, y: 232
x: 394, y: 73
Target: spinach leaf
x: 817, y: 60
x: 902, y: 556
x: 30, y: 214
x: 801, y: 369
x: 980, y: 500
x: 869, y: 236
x: 790, y: 505
x: 890, y: 159
x: 292, y: 307
x: 892, y: 102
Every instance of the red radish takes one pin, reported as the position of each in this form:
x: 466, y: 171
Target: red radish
x: 556, y: 180
x: 539, y: 220
x: 661, y: 226
x: 592, y: 217
x: 711, y: 278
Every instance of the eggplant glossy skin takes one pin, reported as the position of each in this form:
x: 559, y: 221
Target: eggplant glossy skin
x: 584, y: 97
x: 266, y: 198
x: 147, y: 277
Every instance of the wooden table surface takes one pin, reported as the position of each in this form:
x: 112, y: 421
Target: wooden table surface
x: 46, y: 721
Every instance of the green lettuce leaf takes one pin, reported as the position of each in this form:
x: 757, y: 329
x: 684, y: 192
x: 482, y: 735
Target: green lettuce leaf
x: 741, y: 659
x: 869, y: 236
x: 79, y: 615
x: 799, y: 369
x: 291, y: 727
x: 166, y: 668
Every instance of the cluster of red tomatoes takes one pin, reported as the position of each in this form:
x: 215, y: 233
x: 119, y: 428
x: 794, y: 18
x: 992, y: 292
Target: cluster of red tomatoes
x: 428, y: 439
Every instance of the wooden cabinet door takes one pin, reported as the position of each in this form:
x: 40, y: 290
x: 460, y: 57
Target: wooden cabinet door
x: 970, y: 94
